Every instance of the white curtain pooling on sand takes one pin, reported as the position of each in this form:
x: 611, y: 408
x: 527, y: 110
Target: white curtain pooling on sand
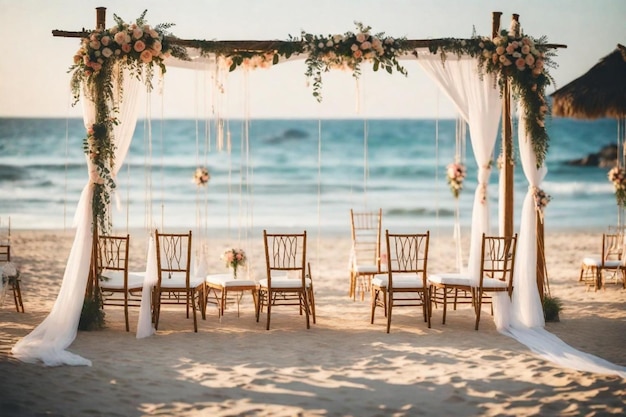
x: 479, y: 103
x: 48, y: 341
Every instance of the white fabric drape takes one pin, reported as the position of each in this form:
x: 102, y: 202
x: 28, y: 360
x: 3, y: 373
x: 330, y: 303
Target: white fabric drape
x: 478, y: 102
x: 526, y: 320
x: 48, y: 341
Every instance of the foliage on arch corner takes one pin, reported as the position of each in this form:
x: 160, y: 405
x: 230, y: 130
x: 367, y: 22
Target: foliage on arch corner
x: 524, y: 62
x: 100, y: 60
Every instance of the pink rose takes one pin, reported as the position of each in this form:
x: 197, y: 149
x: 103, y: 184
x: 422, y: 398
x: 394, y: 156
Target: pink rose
x: 107, y: 52
x: 105, y: 40
x: 366, y: 45
x: 146, y: 56
x: 500, y: 50
x: 94, y: 44
x: 361, y: 37
x: 121, y: 38
x: 137, y: 34
x: 530, y: 60
x: 357, y: 54
x: 520, y: 63
x: 139, y: 46
x: 354, y: 47
x: 126, y: 47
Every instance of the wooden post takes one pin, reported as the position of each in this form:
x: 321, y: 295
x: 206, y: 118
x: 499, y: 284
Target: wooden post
x: 541, y: 258
x: 507, y: 158
x: 101, y: 17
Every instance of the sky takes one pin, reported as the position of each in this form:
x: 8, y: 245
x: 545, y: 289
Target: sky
x: 34, y: 78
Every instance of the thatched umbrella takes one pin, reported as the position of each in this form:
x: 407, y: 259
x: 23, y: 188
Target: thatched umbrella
x: 599, y: 93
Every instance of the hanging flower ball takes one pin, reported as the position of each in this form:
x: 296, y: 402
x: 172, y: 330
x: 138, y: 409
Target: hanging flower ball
x: 456, y: 174
x: 201, y: 176
x: 617, y: 175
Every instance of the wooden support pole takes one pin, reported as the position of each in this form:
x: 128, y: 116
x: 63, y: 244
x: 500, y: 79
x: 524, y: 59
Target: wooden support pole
x: 101, y: 17
x: 541, y: 258
x: 507, y: 159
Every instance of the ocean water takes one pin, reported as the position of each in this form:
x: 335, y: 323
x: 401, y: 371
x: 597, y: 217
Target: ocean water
x: 296, y: 174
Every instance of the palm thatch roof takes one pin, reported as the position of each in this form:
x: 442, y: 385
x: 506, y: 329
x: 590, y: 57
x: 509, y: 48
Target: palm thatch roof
x: 599, y: 93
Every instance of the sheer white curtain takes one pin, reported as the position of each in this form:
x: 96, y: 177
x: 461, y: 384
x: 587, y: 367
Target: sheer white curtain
x: 478, y: 102
x: 526, y: 313
x: 48, y: 341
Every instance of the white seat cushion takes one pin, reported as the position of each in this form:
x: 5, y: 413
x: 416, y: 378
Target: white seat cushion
x: 177, y: 280
x: 597, y: 262
x: 450, y: 279
x: 400, y: 280
x: 115, y: 280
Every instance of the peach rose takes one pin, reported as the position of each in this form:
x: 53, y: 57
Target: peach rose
x: 107, y: 52
x: 357, y: 54
x: 530, y: 60
x: 500, y: 50
x: 360, y: 37
x: 139, y: 46
x: 146, y: 56
x: 126, y: 47
x: 106, y: 40
x: 121, y: 38
x: 520, y: 63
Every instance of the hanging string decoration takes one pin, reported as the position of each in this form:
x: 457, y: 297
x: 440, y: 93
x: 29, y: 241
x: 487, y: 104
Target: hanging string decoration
x: 617, y: 175
x: 201, y: 176
x: 541, y: 200
x: 456, y: 173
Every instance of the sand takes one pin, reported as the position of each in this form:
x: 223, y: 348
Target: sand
x: 342, y: 366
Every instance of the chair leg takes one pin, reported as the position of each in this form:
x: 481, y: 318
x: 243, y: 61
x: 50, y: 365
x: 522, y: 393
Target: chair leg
x: 478, y: 306
x: 389, y: 304
x: 311, y: 302
x: 269, y: 309
x: 445, y: 304
x: 303, y: 300
x: 375, y: 294
x: 17, y: 296
x: 126, y: 311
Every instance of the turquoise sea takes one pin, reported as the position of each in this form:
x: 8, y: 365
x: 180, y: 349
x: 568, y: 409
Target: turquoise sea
x: 291, y: 174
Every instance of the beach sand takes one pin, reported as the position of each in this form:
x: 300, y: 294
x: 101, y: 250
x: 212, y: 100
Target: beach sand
x: 342, y: 366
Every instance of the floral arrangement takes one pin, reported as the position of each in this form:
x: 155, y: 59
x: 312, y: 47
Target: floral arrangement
x: 102, y: 56
x: 522, y: 60
x: 348, y: 51
x: 456, y: 174
x: 617, y: 175
x: 234, y: 258
x: 541, y: 200
x: 201, y: 176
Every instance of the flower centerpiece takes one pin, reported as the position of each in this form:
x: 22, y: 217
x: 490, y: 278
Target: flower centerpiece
x: 201, y: 176
x: 617, y: 175
x: 234, y: 258
x: 541, y: 200
x: 456, y: 174
x: 348, y: 51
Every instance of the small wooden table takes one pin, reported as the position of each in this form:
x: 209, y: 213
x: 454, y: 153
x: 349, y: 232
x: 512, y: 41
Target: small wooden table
x: 219, y: 285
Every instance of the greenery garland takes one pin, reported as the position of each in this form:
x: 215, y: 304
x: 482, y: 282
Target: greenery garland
x: 102, y: 57
x: 522, y: 60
